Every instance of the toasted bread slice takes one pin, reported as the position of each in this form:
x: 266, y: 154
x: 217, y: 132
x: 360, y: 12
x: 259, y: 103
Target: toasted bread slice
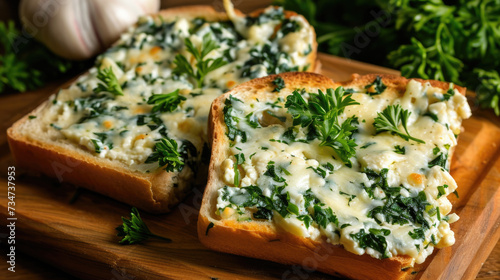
x: 275, y: 192
x: 93, y: 155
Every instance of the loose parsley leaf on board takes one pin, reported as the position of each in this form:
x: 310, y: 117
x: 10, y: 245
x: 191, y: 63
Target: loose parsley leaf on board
x: 134, y: 230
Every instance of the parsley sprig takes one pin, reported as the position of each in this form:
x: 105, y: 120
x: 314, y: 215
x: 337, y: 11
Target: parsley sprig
x: 377, y: 87
x: 166, y: 154
x: 165, y: 102
x: 456, y: 41
x: 391, y: 118
x: 108, y: 82
x: 322, y: 113
x: 134, y: 230
x: 203, y: 66
x: 25, y: 63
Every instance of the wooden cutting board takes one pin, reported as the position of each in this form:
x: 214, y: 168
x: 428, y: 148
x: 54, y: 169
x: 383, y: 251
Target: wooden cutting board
x: 74, y: 229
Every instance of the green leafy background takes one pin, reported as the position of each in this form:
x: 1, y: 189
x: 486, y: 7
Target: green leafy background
x: 455, y: 41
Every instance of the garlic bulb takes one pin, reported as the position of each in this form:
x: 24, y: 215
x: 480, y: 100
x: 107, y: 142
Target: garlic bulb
x: 80, y: 29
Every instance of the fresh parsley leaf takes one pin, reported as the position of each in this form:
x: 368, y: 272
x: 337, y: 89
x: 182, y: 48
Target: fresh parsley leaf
x: 108, y: 82
x: 418, y: 233
x: 26, y: 63
x: 434, y: 117
x: 321, y: 114
x: 440, y: 160
x: 399, y: 150
x: 165, y: 102
x: 271, y: 172
x: 289, y: 26
x: 367, y: 145
x: 306, y: 219
x: 279, y: 84
x: 449, y: 93
x: 324, y: 216
x: 320, y: 171
x: 457, y: 41
x: 240, y: 159
x: 134, y: 230
x: 349, y: 196
x: 487, y: 89
x: 376, y: 88
x: 166, y: 154
x: 373, y: 239
x: 379, y: 180
x: 252, y: 196
x: 402, y: 210
x: 441, y: 190
x: 391, y: 118
x: 252, y: 120
x: 203, y: 66
x: 101, y: 142
x: 231, y: 120
x: 309, y: 198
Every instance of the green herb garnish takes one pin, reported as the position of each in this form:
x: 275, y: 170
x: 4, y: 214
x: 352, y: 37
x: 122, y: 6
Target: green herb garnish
x: 108, y: 82
x: 165, y: 102
x: 203, y: 66
x: 376, y: 88
x: 399, y: 150
x: 321, y: 114
x: 457, y: 41
x: 279, y: 83
x: 134, y: 230
x: 373, y: 239
x: 240, y: 159
x: 440, y: 160
x: 391, y: 118
x: 231, y: 120
x: 166, y: 154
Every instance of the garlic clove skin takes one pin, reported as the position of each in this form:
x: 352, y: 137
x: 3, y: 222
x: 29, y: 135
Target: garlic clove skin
x: 81, y: 29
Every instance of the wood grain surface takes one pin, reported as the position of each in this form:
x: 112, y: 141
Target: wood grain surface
x: 79, y: 237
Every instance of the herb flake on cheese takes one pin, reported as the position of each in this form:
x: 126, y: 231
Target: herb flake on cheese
x: 391, y: 118
x: 108, y: 82
x: 322, y: 112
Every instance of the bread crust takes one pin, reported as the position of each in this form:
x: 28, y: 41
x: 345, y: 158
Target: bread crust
x: 264, y: 240
x: 155, y: 192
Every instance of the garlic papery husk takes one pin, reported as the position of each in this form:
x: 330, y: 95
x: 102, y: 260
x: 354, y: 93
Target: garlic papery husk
x: 80, y: 29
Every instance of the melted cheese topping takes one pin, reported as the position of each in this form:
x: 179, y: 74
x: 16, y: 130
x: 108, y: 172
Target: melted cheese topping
x: 282, y: 172
x: 125, y: 129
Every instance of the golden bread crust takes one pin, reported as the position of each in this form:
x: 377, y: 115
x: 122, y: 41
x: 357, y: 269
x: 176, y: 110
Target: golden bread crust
x: 262, y: 239
x: 156, y: 192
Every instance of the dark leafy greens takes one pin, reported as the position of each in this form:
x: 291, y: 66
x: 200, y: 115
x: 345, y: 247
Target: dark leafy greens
x: 456, y: 41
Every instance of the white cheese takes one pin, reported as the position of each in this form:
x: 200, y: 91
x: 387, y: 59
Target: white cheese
x: 310, y: 173
x: 143, y: 63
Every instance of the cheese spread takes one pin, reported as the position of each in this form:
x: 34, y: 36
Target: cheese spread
x: 145, y: 62
x: 389, y: 198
